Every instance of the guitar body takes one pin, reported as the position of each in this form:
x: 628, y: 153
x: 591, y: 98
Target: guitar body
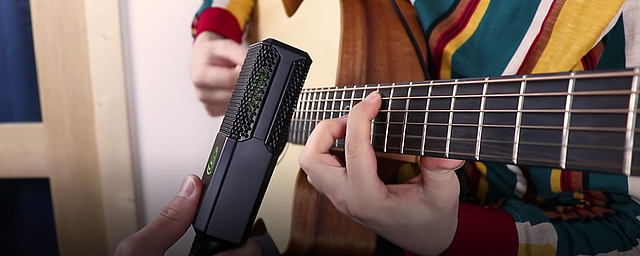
x: 350, y: 42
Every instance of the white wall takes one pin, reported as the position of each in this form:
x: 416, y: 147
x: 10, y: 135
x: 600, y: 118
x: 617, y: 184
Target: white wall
x: 172, y: 134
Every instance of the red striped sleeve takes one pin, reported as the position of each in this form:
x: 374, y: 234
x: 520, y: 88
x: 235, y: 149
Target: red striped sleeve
x: 483, y: 231
x: 220, y: 21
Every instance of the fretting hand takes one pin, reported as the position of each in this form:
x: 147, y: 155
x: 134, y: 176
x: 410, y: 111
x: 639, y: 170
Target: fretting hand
x: 420, y: 215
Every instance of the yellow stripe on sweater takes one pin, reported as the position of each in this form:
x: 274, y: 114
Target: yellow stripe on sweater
x: 525, y: 249
x: 577, y: 29
x: 241, y: 10
x: 461, y: 38
x: 483, y: 184
x: 554, y: 181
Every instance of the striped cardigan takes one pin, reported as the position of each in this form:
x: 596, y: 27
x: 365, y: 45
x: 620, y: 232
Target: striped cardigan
x: 508, y: 209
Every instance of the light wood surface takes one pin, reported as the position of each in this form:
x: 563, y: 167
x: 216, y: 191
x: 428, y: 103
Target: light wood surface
x: 350, y: 42
x: 104, y: 39
x: 320, y: 37
x: 82, y: 144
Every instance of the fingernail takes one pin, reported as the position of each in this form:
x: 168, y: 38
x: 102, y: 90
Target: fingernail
x: 345, y: 117
x: 372, y: 96
x: 188, y: 187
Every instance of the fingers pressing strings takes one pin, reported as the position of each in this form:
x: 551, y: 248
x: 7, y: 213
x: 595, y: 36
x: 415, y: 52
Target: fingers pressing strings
x: 359, y: 154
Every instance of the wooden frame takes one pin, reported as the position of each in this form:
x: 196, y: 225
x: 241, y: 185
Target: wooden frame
x: 82, y: 144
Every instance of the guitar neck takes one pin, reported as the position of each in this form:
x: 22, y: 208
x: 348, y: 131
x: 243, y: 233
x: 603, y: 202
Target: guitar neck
x: 584, y: 120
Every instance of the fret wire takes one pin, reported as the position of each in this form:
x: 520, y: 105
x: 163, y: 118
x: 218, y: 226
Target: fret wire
x: 386, y: 137
x: 353, y: 94
x: 319, y: 107
x: 426, y: 118
x: 311, y: 113
x: 364, y: 95
x: 303, y: 124
x: 404, y: 126
x: 324, y: 109
x: 310, y: 109
x: 297, y: 115
x: 631, y: 122
x: 526, y: 94
x: 333, y: 104
x: 305, y: 114
x: 621, y: 73
x: 565, y: 125
x: 340, y: 110
x: 481, y: 118
x: 516, y: 135
x: 542, y: 127
x: 333, y: 108
x: 324, y: 114
x: 587, y: 111
x: 372, y: 121
x: 315, y: 111
x: 313, y: 107
x: 453, y: 99
x: 318, y: 110
x: 306, y: 130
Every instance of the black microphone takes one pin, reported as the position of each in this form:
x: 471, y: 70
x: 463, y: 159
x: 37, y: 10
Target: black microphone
x: 245, y: 151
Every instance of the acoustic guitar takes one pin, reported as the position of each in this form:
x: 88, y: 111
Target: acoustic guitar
x: 583, y: 120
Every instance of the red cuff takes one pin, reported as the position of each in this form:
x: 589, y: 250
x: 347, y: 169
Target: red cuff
x: 220, y: 21
x: 484, y: 231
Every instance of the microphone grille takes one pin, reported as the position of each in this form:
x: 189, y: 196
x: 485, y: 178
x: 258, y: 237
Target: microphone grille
x: 248, y: 95
x: 277, y: 138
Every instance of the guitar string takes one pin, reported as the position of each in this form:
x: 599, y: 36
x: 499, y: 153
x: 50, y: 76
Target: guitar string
x: 485, y: 126
x: 363, y: 90
x: 558, y: 110
x: 507, y: 158
x: 483, y: 96
x: 496, y: 95
x: 485, y: 143
x: 507, y: 145
x: 595, y: 163
x: 565, y: 76
x: 542, y: 127
x: 443, y: 138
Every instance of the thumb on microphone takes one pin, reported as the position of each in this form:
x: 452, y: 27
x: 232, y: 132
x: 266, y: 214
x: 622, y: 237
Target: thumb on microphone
x: 171, y: 223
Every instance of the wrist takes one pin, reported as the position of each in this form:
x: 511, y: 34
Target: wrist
x: 444, y: 231
x: 209, y: 36
x: 429, y: 232
x: 220, y: 21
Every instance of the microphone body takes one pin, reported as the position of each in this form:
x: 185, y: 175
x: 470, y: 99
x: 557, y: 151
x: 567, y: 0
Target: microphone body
x: 252, y: 136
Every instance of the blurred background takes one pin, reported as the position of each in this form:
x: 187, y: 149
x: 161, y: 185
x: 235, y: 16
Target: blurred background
x: 120, y: 125
x: 172, y: 133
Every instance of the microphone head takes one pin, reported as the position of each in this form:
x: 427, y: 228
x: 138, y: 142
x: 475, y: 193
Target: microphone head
x: 266, y: 93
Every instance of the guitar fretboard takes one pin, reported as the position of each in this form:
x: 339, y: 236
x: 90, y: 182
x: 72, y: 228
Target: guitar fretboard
x: 584, y: 120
